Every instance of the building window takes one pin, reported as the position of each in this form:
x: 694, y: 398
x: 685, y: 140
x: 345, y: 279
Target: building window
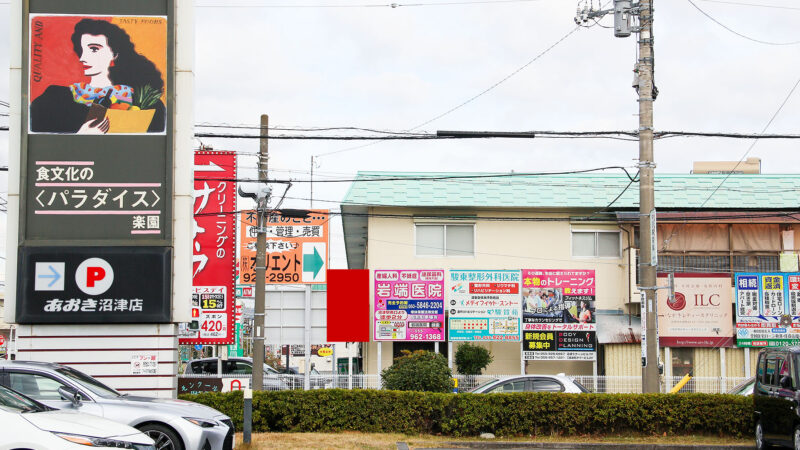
x: 682, y: 361
x: 596, y: 244
x: 445, y: 240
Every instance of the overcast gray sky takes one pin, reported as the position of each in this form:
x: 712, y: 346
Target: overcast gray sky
x: 395, y: 68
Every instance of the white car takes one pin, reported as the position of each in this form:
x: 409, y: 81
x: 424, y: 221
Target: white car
x: 26, y: 423
x: 531, y: 383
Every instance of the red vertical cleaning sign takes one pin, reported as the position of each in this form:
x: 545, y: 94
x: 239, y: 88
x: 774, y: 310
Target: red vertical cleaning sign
x: 214, y: 251
x: 348, y: 305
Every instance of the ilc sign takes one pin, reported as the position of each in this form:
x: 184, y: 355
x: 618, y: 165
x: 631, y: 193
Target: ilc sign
x: 700, y: 314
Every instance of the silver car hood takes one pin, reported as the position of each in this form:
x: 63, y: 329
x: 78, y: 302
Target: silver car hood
x: 72, y: 422
x: 180, y: 408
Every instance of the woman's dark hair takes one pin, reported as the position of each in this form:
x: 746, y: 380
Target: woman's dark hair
x: 130, y: 68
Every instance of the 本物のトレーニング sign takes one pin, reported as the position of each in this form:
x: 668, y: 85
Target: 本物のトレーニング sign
x: 558, y: 315
x: 409, y: 305
x: 297, y: 247
x: 484, y: 305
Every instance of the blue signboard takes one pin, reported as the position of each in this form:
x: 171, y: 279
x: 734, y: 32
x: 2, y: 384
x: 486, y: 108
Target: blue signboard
x: 767, y: 309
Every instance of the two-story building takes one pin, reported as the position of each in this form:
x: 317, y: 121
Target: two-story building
x: 707, y: 223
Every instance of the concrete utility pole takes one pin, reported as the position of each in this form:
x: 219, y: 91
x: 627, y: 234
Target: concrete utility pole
x: 261, y: 260
x: 647, y: 257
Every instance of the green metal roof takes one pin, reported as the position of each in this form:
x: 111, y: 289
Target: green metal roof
x: 425, y: 189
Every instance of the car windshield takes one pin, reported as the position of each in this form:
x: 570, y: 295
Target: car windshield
x: 581, y: 387
x: 483, y: 385
x: 15, y: 402
x: 88, y: 382
x: 745, y: 388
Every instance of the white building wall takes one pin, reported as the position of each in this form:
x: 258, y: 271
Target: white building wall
x: 499, y: 244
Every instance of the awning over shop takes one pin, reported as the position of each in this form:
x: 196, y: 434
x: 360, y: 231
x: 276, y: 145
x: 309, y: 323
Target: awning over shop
x: 618, y: 329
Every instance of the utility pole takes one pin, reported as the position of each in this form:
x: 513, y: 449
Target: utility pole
x: 647, y: 257
x: 261, y: 259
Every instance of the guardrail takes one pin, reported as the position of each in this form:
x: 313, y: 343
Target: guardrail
x: 596, y: 384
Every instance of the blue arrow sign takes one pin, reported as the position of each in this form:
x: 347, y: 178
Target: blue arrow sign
x: 55, y: 276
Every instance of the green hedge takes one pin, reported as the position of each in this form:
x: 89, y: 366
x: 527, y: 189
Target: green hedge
x: 334, y: 410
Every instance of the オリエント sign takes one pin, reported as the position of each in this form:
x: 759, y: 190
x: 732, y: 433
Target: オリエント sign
x: 297, y: 248
x: 409, y: 305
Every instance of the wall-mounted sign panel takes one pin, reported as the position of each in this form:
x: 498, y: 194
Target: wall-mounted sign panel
x: 558, y: 315
x: 767, y: 309
x: 484, y: 305
x: 700, y: 314
x: 214, y: 251
x: 409, y: 305
x: 297, y: 248
x: 97, y: 151
x: 94, y: 285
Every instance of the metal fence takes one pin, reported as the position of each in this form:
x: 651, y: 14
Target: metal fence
x: 595, y: 384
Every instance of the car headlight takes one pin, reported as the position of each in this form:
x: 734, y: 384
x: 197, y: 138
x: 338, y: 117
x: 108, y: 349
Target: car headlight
x: 204, y: 423
x: 91, y: 441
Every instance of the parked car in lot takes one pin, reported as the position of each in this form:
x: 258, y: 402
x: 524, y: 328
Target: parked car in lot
x: 776, y: 397
x: 531, y: 383
x: 28, y: 424
x: 743, y: 388
x: 273, y: 381
x: 172, y: 424
x: 317, y: 380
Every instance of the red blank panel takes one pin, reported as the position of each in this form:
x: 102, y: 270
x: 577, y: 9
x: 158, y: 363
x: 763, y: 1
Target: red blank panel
x: 348, y: 305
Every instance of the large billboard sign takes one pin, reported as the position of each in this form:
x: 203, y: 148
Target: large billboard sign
x: 214, y: 251
x: 409, y: 305
x: 297, y: 247
x: 484, y: 305
x: 700, y: 313
x: 558, y: 315
x: 96, y: 161
x: 94, y: 75
x: 767, y: 309
x: 98, y: 157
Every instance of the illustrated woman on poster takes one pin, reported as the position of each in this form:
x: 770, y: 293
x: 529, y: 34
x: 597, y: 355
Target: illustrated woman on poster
x: 123, y: 93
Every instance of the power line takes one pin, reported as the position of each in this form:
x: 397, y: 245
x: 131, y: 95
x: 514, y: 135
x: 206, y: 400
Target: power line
x: 736, y: 32
x: 542, y: 134
x: 471, y: 99
x: 751, y: 4
x: 750, y: 148
x: 435, y: 177
x: 373, y: 5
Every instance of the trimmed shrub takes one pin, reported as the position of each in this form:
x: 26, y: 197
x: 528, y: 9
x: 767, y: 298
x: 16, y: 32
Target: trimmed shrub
x: 418, y: 371
x: 522, y: 414
x: 471, y: 359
